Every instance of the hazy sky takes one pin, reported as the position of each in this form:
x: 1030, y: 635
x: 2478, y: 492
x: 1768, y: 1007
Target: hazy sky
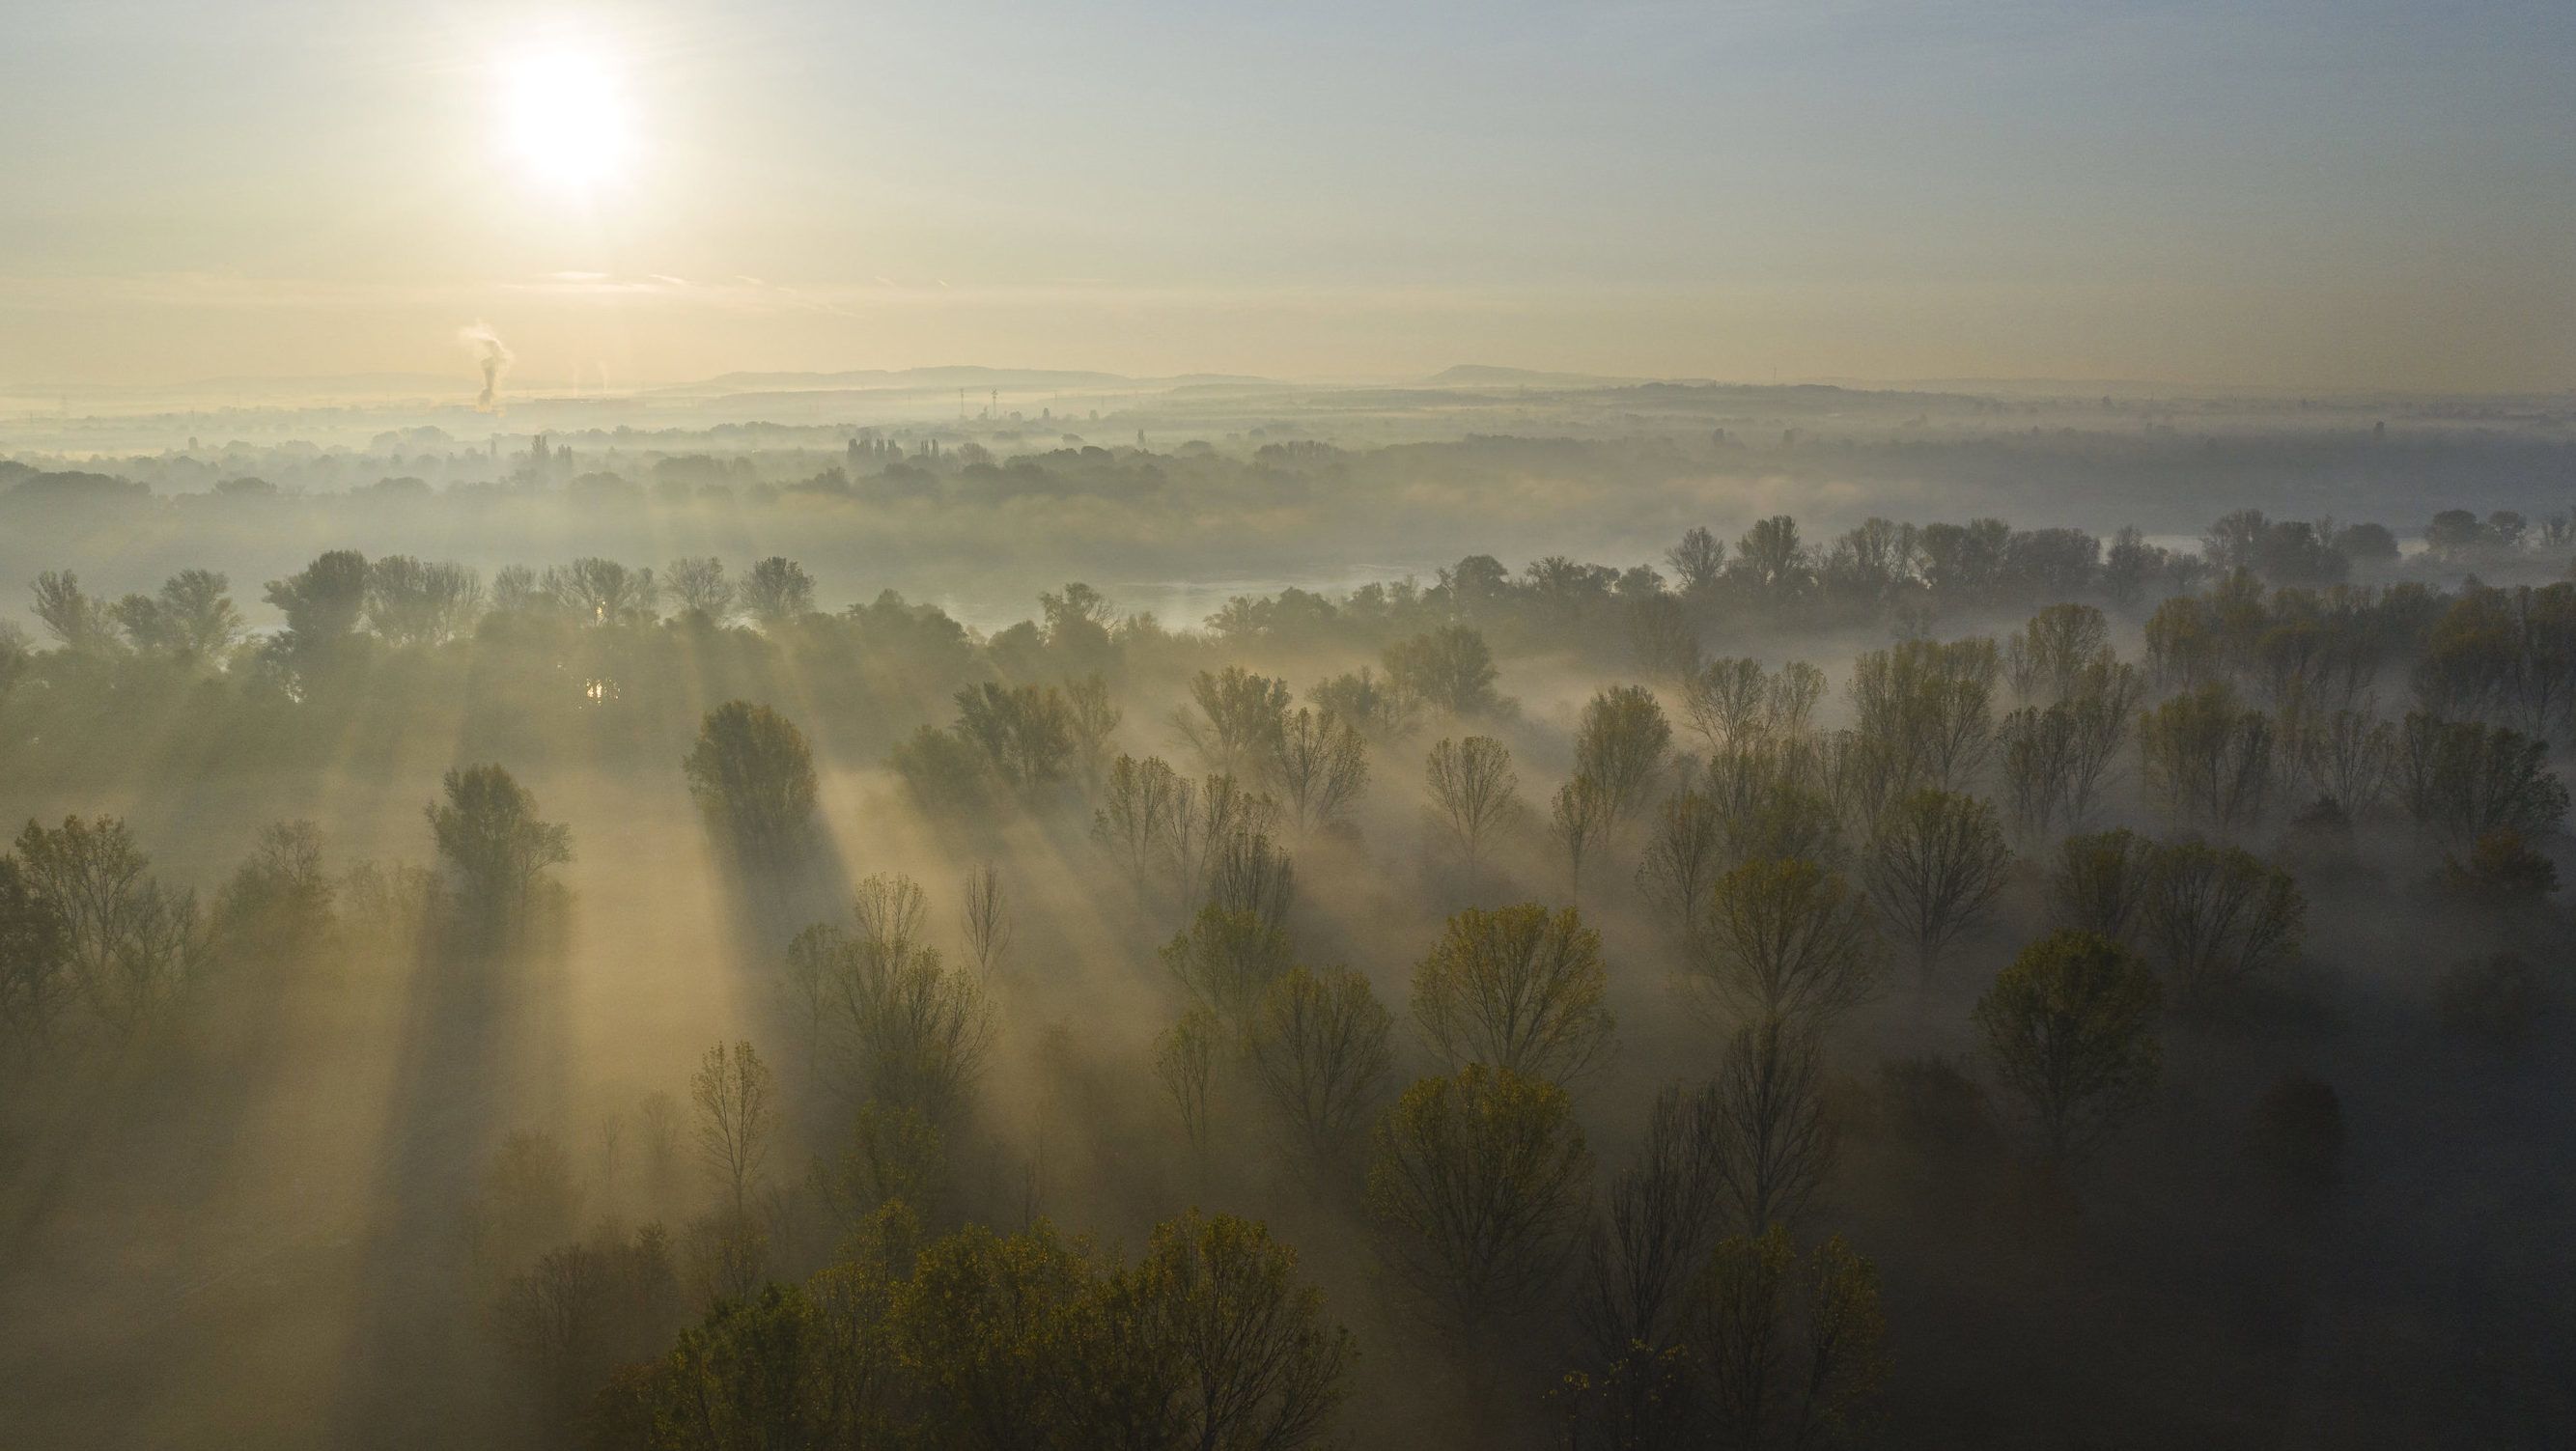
x: 2282, y: 192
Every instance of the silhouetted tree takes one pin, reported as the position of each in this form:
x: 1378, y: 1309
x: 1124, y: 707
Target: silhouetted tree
x: 778, y: 592
x: 1474, y: 795
x: 1774, y: 1147
x: 488, y: 832
x: 2219, y: 915
x: 1788, y: 939
x: 1784, y: 1355
x: 2100, y: 883
x: 1620, y: 746
x: 699, y: 587
x: 2070, y: 1028
x: 2209, y: 760
x: 986, y: 918
x: 1479, y: 1187
x: 1320, y: 765
x: 736, y: 1097
x: 753, y: 776
x: 1318, y: 1048
x: 322, y: 604
x: 1450, y: 669
x: 1519, y: 988
x: 1935, y: 866
x: 1228, y: 960
x: 1579, y: 818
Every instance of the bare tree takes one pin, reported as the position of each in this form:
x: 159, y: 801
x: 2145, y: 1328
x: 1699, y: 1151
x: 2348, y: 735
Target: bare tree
x: 130, y: 945
x: 2058, y: 758
x: 1520, y: 988
x: 2210, y: 760
x: 1785, y: 1354
x: 1735, y: 705
x: 660, y: 1115
x: 890, y: 911
x: 915, y: 1034
x: 1185, y: 1063
x: 1247, y: 873
x: 1929, y: 708
x: 2045, y: 660
x: 1479, y: 1185
x: 1094, y: 720
x: 2070, y: 1027
x: 1684, y: 858
x: 1579, y: 819
x: 35, y: 959
x: 2100, y: 883
x: 699, y: 587
x: 1474, y: 795
x: 1318, y: 1047
x: 1936, y: 865
x: 2218, y: 915
x: 987, y: 919
x: 1320, y: 766
x: 1789, y: 939
x: 2347, y: 756
x: 737, y: 1116
x: 1641, y: 1261
x: 2463, y: 780
x: 1140, y: 807
x: 1227, y: 960
x: 1207, y: 819
x: 1774, y: 1147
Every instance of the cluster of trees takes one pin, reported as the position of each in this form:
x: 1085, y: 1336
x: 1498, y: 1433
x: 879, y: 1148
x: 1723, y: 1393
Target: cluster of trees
x: 2075, y: 837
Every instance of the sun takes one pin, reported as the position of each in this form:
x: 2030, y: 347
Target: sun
x: 565, y: 119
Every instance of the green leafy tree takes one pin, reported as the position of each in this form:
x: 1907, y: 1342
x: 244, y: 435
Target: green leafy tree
x: 1620, y: 746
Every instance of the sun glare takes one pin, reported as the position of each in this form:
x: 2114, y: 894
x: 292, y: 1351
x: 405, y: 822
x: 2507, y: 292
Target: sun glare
x: 566, y: 120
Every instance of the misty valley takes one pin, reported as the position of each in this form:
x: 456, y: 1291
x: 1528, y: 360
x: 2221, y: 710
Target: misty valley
x: 1708, y: 916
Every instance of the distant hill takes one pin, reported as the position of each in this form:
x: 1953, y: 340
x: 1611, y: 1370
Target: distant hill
x: 967, y: 376
x: 1482, y: 375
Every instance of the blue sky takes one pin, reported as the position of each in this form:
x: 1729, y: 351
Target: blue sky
x: 2343, y: 195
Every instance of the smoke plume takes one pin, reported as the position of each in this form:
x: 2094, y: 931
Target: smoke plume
x: 496, y: 358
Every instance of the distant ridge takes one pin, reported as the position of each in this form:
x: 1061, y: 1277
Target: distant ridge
x: 1485, y: 375
x: 961, y: 375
